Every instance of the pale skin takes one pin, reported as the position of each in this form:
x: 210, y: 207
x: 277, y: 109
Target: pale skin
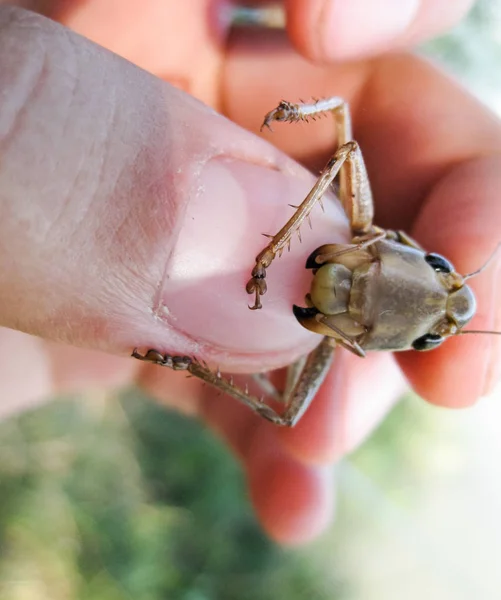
x: 425, y: 166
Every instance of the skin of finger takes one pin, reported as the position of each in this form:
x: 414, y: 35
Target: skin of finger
x: 334, y: 30
x: 17, y: 391
x: 409, y: 145
x: 306, y: 26
x: 54, y: 369
x: 468, y: 367
x: 229, y: 419
x: 356, y: 396
x: 93, y: 203
x: 294, y: 502
x: 433, y: 18
x: 406, y: 112
x: 180, y: 42
x: 173, y: 389
x: 37, y: 126
x: 77, y: 370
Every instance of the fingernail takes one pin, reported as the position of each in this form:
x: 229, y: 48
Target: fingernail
x: 231, y: 204
x: 231, y: 200
x: 359, y: 27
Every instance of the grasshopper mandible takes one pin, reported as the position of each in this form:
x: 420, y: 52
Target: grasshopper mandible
x: 382, y: 291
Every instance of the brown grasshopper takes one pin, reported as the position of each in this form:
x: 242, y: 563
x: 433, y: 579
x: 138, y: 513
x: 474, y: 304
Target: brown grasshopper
x: 380, y: 292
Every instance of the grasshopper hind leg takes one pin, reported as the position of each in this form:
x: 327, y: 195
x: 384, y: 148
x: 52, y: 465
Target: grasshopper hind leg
x: 300, y: 389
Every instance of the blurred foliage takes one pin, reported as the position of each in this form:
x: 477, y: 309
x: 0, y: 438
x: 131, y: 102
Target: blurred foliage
x: 472, y: 51
x: 117, y: 498
x: 460, y: 49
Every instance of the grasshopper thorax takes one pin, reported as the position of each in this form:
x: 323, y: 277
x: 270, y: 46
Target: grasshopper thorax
x: 387, y: 295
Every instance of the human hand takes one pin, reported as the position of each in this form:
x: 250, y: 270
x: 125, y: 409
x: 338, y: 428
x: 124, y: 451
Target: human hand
x: 102, y: 193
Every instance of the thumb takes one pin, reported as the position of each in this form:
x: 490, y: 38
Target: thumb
x: 130, y: 213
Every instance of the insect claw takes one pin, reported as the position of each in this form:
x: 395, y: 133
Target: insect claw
x: 257, y: 299
x: 309, y: 221
x: 261, y: 129
x: 299, y: 236
x: 321, y: 205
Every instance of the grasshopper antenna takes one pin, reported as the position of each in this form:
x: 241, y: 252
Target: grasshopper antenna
x: 484, y: 266
x: 478, y: 331
x: 477, y: 272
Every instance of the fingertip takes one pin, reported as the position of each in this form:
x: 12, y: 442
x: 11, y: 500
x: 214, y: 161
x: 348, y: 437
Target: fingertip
x: 440, y: 377
x: 461, y: 220
x: 464, y: 368
x: 333, y: 30
x: 356, y: 395
x: 230, y: 420
x: 301, y: 20
x: 76, y: 369
x: 316, y: 439
x: 171, y: 388
x: 294, y: 502
x: 26, y: 379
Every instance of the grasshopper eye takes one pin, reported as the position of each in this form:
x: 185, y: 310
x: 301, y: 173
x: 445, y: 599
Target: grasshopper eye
x: 427, y: 342
x: 439, y: 263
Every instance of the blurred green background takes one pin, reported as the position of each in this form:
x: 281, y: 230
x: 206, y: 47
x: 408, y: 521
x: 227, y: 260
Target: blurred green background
x: 115, y: 498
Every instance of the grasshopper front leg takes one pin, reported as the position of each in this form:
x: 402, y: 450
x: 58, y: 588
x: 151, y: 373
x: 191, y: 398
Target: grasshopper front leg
x: 257, y: 284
